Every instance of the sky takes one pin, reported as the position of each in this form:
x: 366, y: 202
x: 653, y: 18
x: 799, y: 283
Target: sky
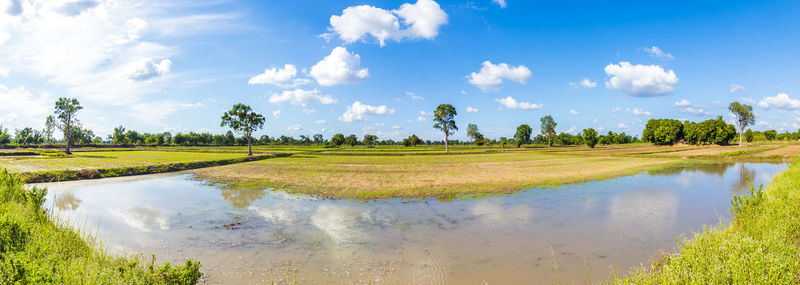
x: 382, y: 67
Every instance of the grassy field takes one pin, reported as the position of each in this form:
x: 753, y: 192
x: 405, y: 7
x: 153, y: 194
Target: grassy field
x: 107, y: 159
x: 35, y: 248
x: 760, y: 246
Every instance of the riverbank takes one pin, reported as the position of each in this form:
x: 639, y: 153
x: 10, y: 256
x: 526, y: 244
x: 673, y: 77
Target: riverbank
x: 35, y: 247
x: 761, y: 244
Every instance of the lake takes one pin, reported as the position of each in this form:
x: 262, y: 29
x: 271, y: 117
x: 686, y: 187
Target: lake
x: 259, y: 236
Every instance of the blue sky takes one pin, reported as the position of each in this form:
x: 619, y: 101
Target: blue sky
x: 381, y: 67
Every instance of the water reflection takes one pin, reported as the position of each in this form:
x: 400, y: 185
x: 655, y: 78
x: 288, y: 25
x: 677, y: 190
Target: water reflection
x: 239, y: 235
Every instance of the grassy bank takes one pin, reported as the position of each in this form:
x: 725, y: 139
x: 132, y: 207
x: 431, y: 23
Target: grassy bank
x: 96, y: 173
x: 36, y: 249
x: 761, y: 245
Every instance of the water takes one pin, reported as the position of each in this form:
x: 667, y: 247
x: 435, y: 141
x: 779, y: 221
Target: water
x: 240, y: 236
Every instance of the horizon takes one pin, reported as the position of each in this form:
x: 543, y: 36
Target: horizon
x: 381, y: 67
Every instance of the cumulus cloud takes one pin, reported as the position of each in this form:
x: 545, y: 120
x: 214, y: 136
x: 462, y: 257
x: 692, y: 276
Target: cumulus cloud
x: 411, y: 21
x: 78, y: 7
x: 736, y: 88
x: 421, y: 119
x: 23, y: 108
x: 359, y: 112
x: 339, y: 67
x: 292, y: 128
x: 572, y: 130
x: 502, y: 3
x: 574, y: 112
x: 491, y: 76
x: 656, y: 52
x: 682, y: 103
x: 276, y: 113
x: 301, y: 97
x: 696, y: 111
x: 586, y: 83
x: 472, y: 110
x: 281, y: 77
x: 512, y: 103
x: 641, y: 112
x: 4, y: 71
x: 616, y: 109
x: 622, y: 126
x: 780, y: 101
x: 640, y: 80
x: 319, y: 122
x: 147, y: 69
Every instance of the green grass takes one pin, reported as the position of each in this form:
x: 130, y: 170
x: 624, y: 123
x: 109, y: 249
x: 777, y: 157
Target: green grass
x: 761, y: 244
x: 35, y: 248
x: 108, y: 159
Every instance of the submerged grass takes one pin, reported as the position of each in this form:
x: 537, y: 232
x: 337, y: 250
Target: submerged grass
x: 36, y: 248
x: 761, y: 245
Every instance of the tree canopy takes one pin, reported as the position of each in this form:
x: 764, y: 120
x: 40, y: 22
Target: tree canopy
x: 744, y: 116
x: 443, y: 118
x: 241, y: 118
x: 549, y: 129
x: 523, y: 135
x: 65, y: 111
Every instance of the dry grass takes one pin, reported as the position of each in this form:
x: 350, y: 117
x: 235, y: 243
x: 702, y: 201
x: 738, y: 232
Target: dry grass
x: 789, y: 150
x: 425, y: 176
x: 107, y: 159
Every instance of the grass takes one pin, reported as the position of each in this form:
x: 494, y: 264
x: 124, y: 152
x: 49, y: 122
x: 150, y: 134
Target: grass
x: 36, y: 248
x: 108, y: 159
x: 761, y: 244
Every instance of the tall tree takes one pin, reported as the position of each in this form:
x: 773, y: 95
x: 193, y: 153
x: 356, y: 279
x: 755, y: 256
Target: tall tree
x: 473, y: 133
x: 744, y: 117
x: 523, y: 135
x: 443, y: 118
x: 5, y: 138
x: 369, y: 140
x: 49, y: 128
x: 549, y: 129
x: 65, y: 111
x: 241, y: 118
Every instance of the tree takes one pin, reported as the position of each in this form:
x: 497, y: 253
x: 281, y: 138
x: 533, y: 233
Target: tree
x: 241, y: 118
x: 748, y: 135
x: 770, y: 135
x: 369, y: 140
x: 523, y: 135
x: 49, y: 128
x: 744, y: 117
x: 337, y: 140
x: 412, y: 140
x: 351, y: 140
x: 118, y: 137
x: 5, y: 138
x: 662, y: 131
x: 473, y: 133
x: 590, y: 137
x: 318, y: 138
x: 443, y: 116
x: 549, y: 129
x: 65, y: 111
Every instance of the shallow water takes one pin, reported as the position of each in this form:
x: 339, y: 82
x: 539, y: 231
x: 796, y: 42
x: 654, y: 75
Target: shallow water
x: 240, y: 236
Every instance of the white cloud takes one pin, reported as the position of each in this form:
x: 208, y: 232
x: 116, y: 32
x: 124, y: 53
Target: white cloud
x: 472, y: 110
x: 658, y: 53
x: 420, y: 20
x: 736, y: 88
x: 491, y: 76
x: 339, y: 67
x: 281, y: 77
x: 359, y: 111
x: 155, y: 112
x: 396, y: 127
x: 295, y: 127
x: 421, y: 119
x: 319, y: 122
x: 747, y: 100
x: 309, y: 111
x: 641, y: 112
x: 463, y: 92
x: 616, y: 109
x: 764, y: 124
x: 276, y: 113
x: 147, y: 68
x: 586, y: 83
x: 572, y: 130
x: 694, y: 111
x: 622, y: 126
x: 414, y: 96
x: 301, y: 97
x: 502, y: 3
x: 512, y: 103
x: 682, y: 103
x: 780, y: 101
x: 574, y: 112
x: 640, y: 80
x: 4, y: 71
x: 23, y: 108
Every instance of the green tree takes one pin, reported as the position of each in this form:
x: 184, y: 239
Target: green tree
x: 66, y: 109
x: 412, y: 140
x: 5, y: 138
x: 744, y: 116
x: 473, y: 133
x: 770, y: 135
x: 49, y: 128
x: 337, y: 140
x: 590, y: 137
x: 523, y: 135
x: 748, y: 135
x: 443, y: 118
x: 369, y: 140
x: 549, y: 129
x: 318, y: 139
x: 118, y: 137
x: 241, y: 118
x: 662, y: 131
x: 351, y: 140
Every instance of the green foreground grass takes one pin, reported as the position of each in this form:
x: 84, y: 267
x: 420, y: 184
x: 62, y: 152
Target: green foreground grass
x: 35, y: 248
x: 761, y: 245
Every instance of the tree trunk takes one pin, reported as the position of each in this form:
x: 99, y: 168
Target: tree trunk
x: 741, y: 134
x: 446, y: 147
x: 66, y: 139
x: 249, y: 146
